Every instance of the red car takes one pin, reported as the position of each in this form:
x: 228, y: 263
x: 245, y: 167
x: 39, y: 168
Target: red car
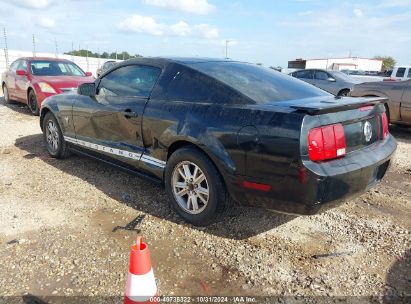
x: 31, y: 80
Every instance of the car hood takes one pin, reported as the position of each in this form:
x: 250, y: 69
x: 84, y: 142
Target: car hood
x: 63, y: 81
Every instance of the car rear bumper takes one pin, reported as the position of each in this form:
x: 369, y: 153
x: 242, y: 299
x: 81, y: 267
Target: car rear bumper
x: 314, y: 187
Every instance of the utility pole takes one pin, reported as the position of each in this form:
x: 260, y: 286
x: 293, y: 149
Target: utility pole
x: 6, y: 50
x: 56, y: 48
x: 88, y: 66
x: 34, y: 46
x: 226, y: 48
x: 72, y: 51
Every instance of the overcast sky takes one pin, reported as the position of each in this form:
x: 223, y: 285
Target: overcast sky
x: 270, y: 32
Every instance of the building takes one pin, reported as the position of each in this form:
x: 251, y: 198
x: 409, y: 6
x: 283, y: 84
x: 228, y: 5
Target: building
x: 348, y: 63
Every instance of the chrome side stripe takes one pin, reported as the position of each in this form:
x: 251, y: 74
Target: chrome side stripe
x: 117, y: 152
x: 152, y: 159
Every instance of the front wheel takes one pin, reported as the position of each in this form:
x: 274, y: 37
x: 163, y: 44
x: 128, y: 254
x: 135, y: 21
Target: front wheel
x: 32, y: 103
x: 194, y: 186
x: 53, y: 137
x: 6, y: 94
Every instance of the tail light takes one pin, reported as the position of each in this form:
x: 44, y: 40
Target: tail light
x: 326, y: 142
x: 384, y: 125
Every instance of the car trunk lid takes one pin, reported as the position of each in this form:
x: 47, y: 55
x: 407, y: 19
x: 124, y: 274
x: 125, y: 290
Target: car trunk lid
x: 324, y: 105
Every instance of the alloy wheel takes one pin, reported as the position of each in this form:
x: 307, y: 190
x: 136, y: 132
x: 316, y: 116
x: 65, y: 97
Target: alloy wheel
x: 190, y: 187
x: 52, y: 135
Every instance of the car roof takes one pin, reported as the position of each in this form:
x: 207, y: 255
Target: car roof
x: 43, y: 58
x: 193, y: 60
x: 179, y: 60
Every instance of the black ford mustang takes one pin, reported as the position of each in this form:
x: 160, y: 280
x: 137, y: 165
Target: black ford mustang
x: 220, y: 131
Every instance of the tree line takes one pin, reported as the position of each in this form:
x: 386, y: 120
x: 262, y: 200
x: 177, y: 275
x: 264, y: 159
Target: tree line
x: 105, y: 55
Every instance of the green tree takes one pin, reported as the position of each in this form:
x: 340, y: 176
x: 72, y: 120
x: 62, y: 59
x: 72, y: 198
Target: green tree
x: 83, y: 53
x: 388, y: 63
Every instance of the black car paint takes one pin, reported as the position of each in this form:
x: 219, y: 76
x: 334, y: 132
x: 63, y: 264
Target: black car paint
x: 262, y: 143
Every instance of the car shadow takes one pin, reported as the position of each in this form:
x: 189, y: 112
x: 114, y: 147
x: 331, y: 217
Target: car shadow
x: 239, y: 223
x: 398, y: 280
x: 16, y: 106
x: 401, y: 133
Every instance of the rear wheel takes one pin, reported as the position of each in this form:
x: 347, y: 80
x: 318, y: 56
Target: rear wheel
x: 6, y: 93
x: 344, y: 92
x: 32, y: 103
x: 194, y: 186
x: 53, y: 137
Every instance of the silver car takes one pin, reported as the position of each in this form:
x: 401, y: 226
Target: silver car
x: 334, y: 82
x: 398, y: 94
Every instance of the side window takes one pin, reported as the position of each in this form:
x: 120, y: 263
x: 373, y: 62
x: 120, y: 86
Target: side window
x: 321, y: 75
x: 409, y: 73
x: 304, y: 74
x: 189, y: 85
x: 400, y: 72
x: 192, y: 86
x: 131, y: 80
x: 14, y: 65
x: 22, y: 65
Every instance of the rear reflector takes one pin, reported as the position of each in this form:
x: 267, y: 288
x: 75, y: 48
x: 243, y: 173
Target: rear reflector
x: 255, y: 186
x: 384, y: 125
x: 326, y: 142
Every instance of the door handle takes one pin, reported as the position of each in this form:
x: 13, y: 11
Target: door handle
x: 128, y: 113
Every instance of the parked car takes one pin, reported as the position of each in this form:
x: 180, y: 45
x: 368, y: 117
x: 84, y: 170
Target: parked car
x: 354, y: 72
x: 359, y: 76
x: 397, y: 93
x: 105, y: 67
x: 217, y: 131
x: 400, y: 73
x: 32, y: 79
x: 334, y: 82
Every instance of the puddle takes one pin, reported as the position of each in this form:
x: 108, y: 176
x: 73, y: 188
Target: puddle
x: 180, y: 266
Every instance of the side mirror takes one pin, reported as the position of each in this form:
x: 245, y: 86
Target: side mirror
x: 331, y: 79
x: 87, y: 89
x: 89, y: 74
x: 21, y: 73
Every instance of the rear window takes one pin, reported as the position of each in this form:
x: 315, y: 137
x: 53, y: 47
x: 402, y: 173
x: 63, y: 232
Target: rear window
x: 260, y: 84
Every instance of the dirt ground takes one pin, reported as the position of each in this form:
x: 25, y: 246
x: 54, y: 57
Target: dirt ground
x: 66, y: 228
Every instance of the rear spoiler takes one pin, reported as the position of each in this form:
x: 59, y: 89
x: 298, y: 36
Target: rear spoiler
x: 340, y: 104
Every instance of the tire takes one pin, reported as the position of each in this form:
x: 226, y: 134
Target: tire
x: 387, y: 112
x: 32, y: 103
x: 188, y: 158
x: 6, y: 93
x: 343, y: 92
x: 53, y: 138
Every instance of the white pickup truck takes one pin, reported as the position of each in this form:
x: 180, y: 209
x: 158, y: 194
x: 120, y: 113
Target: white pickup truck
x: 400, y: 73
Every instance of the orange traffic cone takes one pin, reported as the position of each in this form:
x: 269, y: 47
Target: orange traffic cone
x: 141, y: 286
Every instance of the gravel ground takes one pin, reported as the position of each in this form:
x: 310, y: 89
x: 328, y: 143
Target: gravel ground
x: 66, y: 228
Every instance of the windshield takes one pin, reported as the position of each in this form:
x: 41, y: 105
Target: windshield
x: 55, y: 68
x: 260, y: 84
